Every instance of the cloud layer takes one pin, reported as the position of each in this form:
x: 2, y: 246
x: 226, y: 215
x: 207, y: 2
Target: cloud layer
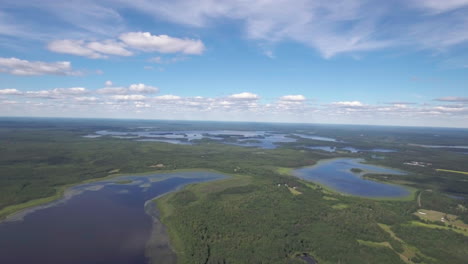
x: 140, y: 101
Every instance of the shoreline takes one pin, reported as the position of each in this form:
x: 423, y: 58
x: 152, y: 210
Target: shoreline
x: 158, y: 248
x: 14, y: 209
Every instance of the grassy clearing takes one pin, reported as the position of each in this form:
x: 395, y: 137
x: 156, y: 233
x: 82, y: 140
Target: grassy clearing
x: 294, y: 191
x: 432, y: 226
x: 409, y: 252
x: 374, y: 244
x: 436, y: 216
x: 453, y: 171
x: 340, y: 206
x: 284, y: 171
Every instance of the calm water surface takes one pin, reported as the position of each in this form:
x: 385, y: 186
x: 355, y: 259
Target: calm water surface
x: 102, y: 222
x: 337, y: 175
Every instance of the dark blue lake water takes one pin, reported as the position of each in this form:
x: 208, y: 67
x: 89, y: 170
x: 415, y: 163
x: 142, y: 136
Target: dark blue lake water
x: 102, y: 222
x: 337, y: 175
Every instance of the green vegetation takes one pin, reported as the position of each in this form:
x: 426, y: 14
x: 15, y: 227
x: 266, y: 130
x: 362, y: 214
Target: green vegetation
x: 438, y: 226
x: 356, y: 170
x: 248, y: 218
x: 439, y: 245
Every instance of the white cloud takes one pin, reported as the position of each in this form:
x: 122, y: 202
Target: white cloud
x: 239, y: 107
x: 348, y: 104
x: 94, y: 50
x: 109, y: 47
x: 57, y: 93
x: 168, y: 97
x: 74, y: 47
x: 86, y: 99
x: 162, y: 43
x: 129, y: 97
x: 244, y: 96
x: 132, y: 89
x: 72, y: 91
x: 142, y: 88
x: 113, y: 90
x: 17, y: 66
x: 293, y: 98
x: 10, y: 92
x: 143, y: 41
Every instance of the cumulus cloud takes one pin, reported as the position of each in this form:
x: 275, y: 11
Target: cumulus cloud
x: 17, y: 66
x: 244, y: 96
x: 57, y: 92
x: 129, y: 97
x: 94, y: 49
x: 162, y: 43
x: 243, y: 106
x: 73, y: 90
x: 10, y: 92
x: 143, y: 41
x: 132, y: 89
x: 86, y: 99
x: 168, y: 97
x: 293, y: 98
x: 142, y: 88
x: 348, y: 104
x: 113, y: 90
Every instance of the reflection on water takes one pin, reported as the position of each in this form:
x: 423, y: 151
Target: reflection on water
x: 337, y: 175
x: 102, y: 222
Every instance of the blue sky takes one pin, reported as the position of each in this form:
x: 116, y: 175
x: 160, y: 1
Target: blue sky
x: 401, y: 62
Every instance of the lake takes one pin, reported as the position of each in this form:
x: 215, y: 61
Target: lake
x: 258, y: 139
x: 103, y: 222
x: 349, y: 149
x: 336, y: 174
